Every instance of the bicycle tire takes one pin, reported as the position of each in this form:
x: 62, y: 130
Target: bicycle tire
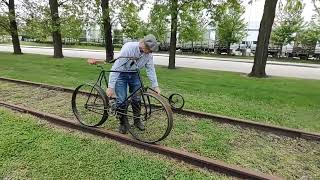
x: 80, y: 95
x: 150, y: 116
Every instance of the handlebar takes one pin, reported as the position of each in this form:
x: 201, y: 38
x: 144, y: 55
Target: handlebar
x: 129, y: 58
x: 102, y: 69
x: 134, y: 61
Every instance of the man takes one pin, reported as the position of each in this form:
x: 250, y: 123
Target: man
x: 120, y: 81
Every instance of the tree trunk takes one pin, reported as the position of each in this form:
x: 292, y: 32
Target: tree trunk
x: 228, y: 47
x: 14, y: 28
x: 279, y: 55
x: 107, y: 30
x: 192, y: 47
x: 261, y: 55
x: 56, y: 33
x: 173, y: 37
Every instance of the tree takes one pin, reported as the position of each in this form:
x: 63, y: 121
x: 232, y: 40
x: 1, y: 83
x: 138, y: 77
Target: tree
x: 74, y: 18
x: 38, y: 29
x: 4, y: 26
x: 176, y: 7
x: 56, y: 28
x: 158, y: 21
x: 316, y: 4
x: 117, y: 37
x: 261, y: 55
x: 13, y: 28
x: 230, y: 26
x: 36, y: 20
x: 106, y: 21
x: 132, y: 26
x: 309, y: 36
x: 288, y: 22
x: 61, y: 19
x: 72, y: 27
x: 191, y: 27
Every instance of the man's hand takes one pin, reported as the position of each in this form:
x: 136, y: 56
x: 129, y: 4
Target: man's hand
x: 157, y: 89
x: 92, y: 61
x: 110, y: 92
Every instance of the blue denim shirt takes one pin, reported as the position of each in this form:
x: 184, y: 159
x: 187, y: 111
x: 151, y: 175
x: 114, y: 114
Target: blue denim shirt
x: 131, y: 49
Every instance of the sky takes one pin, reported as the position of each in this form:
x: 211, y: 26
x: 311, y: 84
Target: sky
x: 253, y: 12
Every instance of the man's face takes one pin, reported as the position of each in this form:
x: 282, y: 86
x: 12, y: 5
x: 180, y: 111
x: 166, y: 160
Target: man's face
x: 144, y: 48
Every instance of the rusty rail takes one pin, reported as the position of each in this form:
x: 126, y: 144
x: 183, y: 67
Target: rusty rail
x: 187, y: 157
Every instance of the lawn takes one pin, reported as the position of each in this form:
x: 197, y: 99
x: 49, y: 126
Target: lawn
x: 291, y: 158
x: 286, y: 102
x: 30, y: 149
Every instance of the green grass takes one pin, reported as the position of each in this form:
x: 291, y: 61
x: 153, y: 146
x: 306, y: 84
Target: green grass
x: 31, y: 150
x: 281, y: 101
x: 261, y: 151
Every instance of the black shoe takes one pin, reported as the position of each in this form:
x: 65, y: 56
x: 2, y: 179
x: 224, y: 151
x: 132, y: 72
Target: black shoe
x: 123, y: 129
x: 139, y: 124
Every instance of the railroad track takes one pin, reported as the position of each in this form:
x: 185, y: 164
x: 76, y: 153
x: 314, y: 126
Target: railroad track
x: 190, y: 158
x: 289, y: 132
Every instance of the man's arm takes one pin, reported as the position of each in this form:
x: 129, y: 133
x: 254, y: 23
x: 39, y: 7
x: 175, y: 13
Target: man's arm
x: 152, y: 75
x: 113, y: 76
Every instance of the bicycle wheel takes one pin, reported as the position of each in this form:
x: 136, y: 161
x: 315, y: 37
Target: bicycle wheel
x: 89, y: 105
x: 156, y: 115
x: 176, y: 101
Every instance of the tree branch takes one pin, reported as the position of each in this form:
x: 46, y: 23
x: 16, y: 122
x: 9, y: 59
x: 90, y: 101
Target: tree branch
x: 61, y: 3
x: 183, y: 4
x: 5, y: 2
x: 114, y: 21
x: 5, y: 27
x: 316, y: 8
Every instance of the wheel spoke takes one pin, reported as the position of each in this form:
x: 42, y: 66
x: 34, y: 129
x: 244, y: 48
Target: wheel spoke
x: 90, y: 110
x: 156, y: 117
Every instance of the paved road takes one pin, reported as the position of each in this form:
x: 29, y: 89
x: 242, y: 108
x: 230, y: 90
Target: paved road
x: 307, y: 71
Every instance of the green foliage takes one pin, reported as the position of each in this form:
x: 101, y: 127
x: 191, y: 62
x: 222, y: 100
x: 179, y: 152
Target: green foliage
x: 316, y: 4
x: 117, y: 37
x: 230, y: 26
x: 191, y: 27
x: 4, y: 25
x: 37, y: 28
x: 72, y: 27
x: 310, y: 35
x: 218, y: 10
x: 74, y: 16
x: 158, y: 22
x: 132, y: 26
x: 37, y: 20
x: 288, y: 21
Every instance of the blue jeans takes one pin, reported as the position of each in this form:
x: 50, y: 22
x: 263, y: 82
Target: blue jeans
x: 124, y: 81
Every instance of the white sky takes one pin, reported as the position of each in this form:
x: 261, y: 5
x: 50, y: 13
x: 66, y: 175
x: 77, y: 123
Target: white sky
x: 255, y: 15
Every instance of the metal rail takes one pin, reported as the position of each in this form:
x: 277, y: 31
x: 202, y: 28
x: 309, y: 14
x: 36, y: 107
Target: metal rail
x: 190, y: 158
